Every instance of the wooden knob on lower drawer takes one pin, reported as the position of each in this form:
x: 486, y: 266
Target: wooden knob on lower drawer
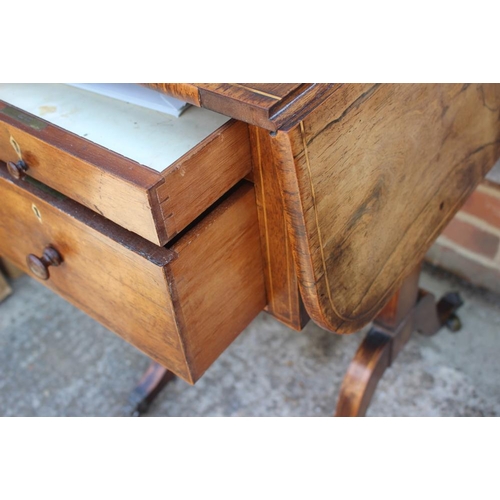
x: 39, y: 266
x: 17, y: 170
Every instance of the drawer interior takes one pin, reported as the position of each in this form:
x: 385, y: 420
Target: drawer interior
x: 148, y: 137
x: 145, y: 170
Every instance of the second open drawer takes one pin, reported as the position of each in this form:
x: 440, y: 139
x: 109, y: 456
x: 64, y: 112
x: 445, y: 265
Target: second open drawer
x: 182, y: 305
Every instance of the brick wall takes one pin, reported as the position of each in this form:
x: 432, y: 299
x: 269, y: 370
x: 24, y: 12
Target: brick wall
x: 470, y: 244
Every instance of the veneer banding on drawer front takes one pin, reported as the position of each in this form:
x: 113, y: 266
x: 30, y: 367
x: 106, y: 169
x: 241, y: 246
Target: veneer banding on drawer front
x: 117, y: 182
x: 183, y: 315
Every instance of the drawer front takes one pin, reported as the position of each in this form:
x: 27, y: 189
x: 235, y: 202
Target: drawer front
x: 155, y: 205
x: 131, y: 285
x: 100, y: 179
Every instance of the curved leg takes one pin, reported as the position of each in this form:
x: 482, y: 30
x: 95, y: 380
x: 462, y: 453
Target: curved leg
x: 410, y: 309
x: 366, y: 369
x: 152, y: 382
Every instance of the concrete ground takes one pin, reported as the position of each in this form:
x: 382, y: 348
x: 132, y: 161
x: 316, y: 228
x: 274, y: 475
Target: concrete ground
x: 54, y: 360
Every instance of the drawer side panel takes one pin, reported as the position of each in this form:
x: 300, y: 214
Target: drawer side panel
x: 219, y: 279
x: 202, y: 176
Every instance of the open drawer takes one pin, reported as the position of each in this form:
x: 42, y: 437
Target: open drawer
x: 150, y: 173
x: 182, y: 305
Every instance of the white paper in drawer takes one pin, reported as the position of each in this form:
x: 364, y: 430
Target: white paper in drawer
x: 135, y: 94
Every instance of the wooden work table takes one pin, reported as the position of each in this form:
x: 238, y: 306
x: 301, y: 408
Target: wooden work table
x: 309, y: 200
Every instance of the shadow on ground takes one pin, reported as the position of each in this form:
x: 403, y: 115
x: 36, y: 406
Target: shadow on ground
x: 55, y: 361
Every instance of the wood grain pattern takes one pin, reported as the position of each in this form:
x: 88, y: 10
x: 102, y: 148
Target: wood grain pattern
x: 153, y: 205
x: 402, y: 302
x: 100, y: 179
x: 366, y: 369
x: 180, y: 315
x: 218, y: 280
x: 246, y: 103
x: 283, y: 296
x: 408, y: 310
x: 109, y: 273
x: 276, y: 90
x: 202, y: 176
x: 267, y: 105
x: 186, y: 92
x: 369, y: 180
x: 391, y: 331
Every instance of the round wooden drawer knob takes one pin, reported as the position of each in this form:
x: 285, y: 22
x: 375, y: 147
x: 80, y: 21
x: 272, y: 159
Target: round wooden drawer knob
x: 17, y: 170
x: 39, y: 266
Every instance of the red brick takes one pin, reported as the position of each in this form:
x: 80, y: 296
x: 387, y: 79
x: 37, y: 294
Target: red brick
x: 475, y: 272
x: 472, y: 238
x: 484, y: 206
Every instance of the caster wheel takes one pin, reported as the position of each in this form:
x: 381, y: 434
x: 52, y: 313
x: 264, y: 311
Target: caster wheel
x: 453, y: 323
